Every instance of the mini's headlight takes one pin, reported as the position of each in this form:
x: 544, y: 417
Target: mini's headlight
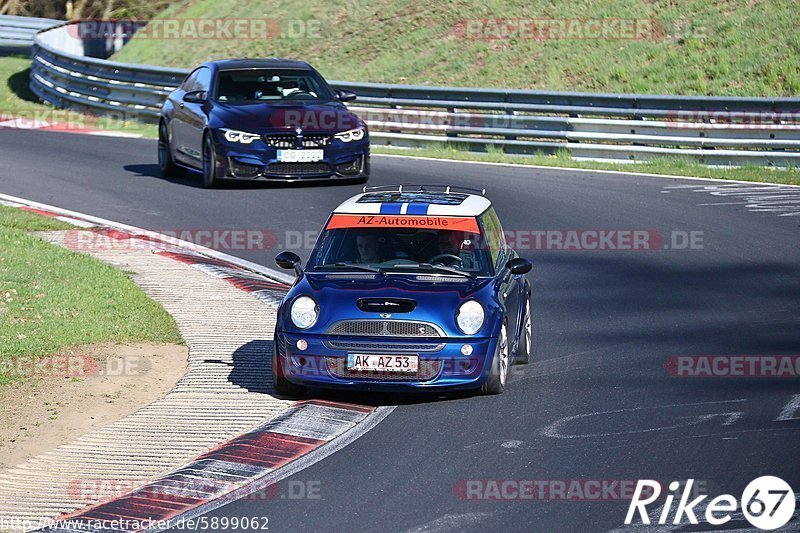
x: 304, y: 312
x: 236, y: 136
x: 351, y: 135
x: 470, y: 317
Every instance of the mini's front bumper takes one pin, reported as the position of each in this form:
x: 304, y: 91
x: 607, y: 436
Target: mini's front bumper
x: 442, y: 364
x: 259, y: 161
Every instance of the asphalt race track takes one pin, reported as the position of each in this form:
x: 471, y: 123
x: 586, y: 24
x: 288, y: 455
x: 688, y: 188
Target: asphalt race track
x: 598, y: 403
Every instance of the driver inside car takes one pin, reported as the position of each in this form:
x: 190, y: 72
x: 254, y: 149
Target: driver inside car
x: 457, y: 244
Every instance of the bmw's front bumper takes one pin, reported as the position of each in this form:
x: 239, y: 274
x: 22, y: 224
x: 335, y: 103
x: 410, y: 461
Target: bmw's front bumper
x: 260, y: 161
x: 442, y: 364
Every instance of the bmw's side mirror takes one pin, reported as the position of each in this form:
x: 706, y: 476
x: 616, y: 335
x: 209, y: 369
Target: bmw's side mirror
x: 195, y: 97
x: 519, y: 266
x: 289, y: 261
x: 345, y: 96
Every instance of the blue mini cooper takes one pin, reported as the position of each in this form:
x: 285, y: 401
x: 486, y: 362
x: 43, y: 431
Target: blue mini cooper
x: 407, y: 288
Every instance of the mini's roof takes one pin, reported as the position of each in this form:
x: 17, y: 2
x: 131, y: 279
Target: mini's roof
x: 418, y: 203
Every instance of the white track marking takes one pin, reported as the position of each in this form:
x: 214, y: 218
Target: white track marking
x: 783, y: 200
x: 451, y: 522
x: 791, y: 411
x: 554, y: 430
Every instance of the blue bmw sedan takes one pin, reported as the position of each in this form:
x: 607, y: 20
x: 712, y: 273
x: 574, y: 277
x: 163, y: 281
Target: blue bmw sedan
x: 406, y: 289
x: 264, y: 119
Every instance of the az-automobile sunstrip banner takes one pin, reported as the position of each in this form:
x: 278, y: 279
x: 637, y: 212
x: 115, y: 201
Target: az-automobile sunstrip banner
x: 466, y: 224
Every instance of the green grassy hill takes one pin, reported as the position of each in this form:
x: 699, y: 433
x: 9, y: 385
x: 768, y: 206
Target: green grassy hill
x: 722, y: 47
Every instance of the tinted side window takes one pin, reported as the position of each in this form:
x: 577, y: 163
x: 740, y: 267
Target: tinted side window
x: 494, y: 237
x: 189, y: 81
x: 203, y: 81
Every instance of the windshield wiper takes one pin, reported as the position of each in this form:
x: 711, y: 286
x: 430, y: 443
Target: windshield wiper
x: 442, y: 268
x: 362, y: 268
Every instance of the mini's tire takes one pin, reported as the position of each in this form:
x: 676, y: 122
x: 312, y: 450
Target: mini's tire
x: 166, y: 165
x: 498, y: 373
x: 280, y: 385
x: 525, y: 336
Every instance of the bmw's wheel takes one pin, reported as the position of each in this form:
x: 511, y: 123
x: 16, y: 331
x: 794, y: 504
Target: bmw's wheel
x: 166, y: 164
x: 496, y: 382
x: 280, y: 385
x: 209, y: 162
x: 525, y: 336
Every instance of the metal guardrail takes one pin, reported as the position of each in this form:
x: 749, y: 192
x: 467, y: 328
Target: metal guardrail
x: 610, y: 127
x: 19, y: 32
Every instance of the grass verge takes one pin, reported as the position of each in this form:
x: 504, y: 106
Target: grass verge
x: 52, y: 298
x: 667, y: 166
x: 704, y: 47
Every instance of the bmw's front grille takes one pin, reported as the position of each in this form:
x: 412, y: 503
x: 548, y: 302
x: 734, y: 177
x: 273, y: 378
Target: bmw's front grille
x: 299, y: 169
x: 281, y: 141
x: 294, y: 141
x: 428, y: 369
x: 383, y: 347
x: 384, y: 328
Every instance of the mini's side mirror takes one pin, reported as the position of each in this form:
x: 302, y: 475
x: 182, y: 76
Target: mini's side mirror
x: 195, y: 97
x: 519, y: 266
x: 345, y: 96
x: 289, y: 261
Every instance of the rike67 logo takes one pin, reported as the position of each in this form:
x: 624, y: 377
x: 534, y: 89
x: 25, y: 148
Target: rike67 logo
x: 767, y: 502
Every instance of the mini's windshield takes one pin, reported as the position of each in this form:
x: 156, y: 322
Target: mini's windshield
x: 270, y: 85
x: 396, y: 250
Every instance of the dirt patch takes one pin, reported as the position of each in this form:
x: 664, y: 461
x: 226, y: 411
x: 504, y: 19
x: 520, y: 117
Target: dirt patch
x: 79, y: 390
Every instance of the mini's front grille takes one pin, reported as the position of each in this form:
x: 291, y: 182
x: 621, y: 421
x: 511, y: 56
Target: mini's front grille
x: 294, y: 141
x: 384, y: 328
x: 383, y: 347
x: 299, y: 169
x: 428, y: 369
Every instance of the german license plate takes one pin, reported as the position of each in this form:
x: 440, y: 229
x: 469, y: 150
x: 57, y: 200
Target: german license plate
x: 383, y: 363
x: 299, y: 156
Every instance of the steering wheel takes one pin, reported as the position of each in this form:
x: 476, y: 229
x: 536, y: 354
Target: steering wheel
x: 302, y: 94
x: 454, y: 259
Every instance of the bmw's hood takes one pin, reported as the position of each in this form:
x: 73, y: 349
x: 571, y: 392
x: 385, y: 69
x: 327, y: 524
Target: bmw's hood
x: 393, y: 296
x: 262, y: 118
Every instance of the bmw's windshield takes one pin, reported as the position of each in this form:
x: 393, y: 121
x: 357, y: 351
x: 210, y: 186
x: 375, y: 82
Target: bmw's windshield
x: 270, y: 85
x: 400, y: 250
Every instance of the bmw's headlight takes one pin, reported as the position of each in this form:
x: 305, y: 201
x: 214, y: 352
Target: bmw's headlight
x: 304, y: 312
x: 470, y: 317
x: 236, y: 136
x: 351, y: 135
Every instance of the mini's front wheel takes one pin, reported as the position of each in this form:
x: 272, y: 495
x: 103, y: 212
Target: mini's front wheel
x: 280, y: 385
x: 525, y: 337
x: 498, y: 373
